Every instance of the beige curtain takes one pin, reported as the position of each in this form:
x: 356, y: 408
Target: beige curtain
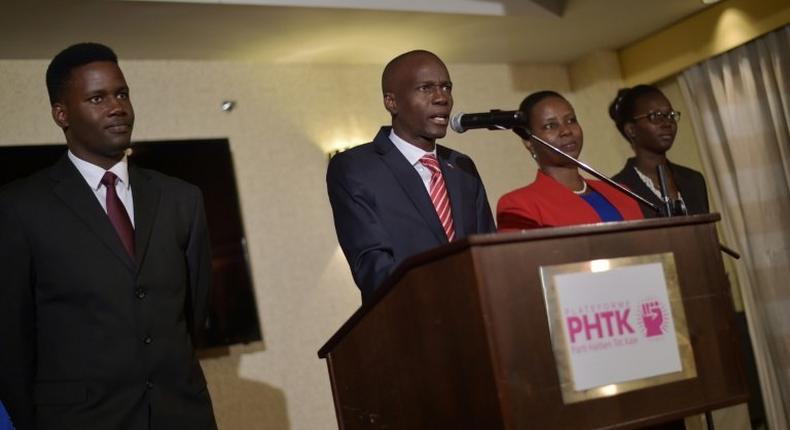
x: 740, y: 111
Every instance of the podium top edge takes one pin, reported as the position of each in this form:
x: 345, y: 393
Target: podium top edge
x: 490, y: 239
x: 587, y: 229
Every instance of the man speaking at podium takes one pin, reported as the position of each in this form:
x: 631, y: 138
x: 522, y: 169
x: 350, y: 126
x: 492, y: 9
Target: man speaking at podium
x: 403, y: 194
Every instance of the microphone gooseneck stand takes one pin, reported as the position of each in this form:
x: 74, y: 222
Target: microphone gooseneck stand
x: 662, y: 184
x: 667, y: 203
x: 592, y: 171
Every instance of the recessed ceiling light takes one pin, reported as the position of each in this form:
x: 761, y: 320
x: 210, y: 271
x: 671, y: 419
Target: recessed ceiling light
x: 710, y: 1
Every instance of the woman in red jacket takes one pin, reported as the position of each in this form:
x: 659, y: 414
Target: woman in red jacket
x: 559, y: 196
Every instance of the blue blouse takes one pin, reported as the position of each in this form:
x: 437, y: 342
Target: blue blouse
x: 605, y: 210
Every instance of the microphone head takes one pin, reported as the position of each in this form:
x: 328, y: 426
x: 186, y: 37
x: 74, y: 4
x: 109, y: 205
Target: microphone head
x: 455, y: 123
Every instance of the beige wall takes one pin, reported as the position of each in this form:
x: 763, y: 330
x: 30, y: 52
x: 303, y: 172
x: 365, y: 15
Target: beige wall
x: 595, y: 79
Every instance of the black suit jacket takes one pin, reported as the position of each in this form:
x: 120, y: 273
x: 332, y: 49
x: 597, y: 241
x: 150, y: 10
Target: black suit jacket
x: 383, y: 213
x: 91, y: 338
x: 690, y: 183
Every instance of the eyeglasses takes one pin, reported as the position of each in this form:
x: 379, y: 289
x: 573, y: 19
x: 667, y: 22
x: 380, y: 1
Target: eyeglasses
x: 659, y: 117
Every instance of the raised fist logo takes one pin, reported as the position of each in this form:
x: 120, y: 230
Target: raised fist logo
x: 653, y: 318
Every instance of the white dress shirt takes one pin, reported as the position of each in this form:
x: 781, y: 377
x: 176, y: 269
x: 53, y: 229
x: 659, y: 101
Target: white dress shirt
x: 93, y: 174
x: 413, y: 155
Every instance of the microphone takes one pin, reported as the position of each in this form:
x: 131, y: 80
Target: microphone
x: 494, y: 120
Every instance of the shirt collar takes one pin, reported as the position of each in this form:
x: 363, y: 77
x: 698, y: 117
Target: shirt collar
x: 411, y: 152
x: 93, y: 173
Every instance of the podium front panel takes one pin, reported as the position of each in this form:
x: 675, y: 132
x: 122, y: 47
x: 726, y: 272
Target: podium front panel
x: 514, y: 308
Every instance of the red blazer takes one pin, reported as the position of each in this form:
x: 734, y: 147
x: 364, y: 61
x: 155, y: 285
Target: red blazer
x: 547, y: 203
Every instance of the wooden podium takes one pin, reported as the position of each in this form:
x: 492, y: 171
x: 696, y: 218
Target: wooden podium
x: 458, y: 338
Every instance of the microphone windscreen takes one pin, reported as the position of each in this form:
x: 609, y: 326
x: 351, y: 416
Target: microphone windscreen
x: 455, y: 123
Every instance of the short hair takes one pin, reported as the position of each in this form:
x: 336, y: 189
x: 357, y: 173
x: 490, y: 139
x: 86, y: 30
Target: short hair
x: 621, y: 110
x: 389, y: 69
x: 528, y: 104
x: 59, y: 70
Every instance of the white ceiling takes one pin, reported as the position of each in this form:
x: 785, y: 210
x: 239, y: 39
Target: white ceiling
x: 38, y: 29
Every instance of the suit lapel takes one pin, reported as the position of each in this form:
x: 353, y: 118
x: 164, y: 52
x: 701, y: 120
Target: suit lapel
x: 71, y: 188
x: 410, y: 181
x: 145, y: 192
x: 452, y: 180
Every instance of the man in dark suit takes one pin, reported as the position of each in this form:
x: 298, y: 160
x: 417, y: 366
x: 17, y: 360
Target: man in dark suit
x: 391, y: 202
x: 105, y: 272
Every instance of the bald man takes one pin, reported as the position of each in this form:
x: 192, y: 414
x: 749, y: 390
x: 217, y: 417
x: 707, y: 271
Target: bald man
x: 403, y: 194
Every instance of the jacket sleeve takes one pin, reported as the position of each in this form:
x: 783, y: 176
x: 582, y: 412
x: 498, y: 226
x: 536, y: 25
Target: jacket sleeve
x: 485, y: 219
x: 17, y: 319
x: 513, y: 214
x: 198, y: 257
x: 365, y: 242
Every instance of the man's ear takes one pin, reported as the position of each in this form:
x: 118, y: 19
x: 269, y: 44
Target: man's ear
x: 60, y: 115
x: 390, y: 104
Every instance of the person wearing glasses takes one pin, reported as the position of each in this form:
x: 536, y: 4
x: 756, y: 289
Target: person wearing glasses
x: 559, y: 196
x: 645, y: 117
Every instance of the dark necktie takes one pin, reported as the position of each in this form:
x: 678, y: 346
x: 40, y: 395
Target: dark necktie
x: 439, y: 197
x: 117, y: 213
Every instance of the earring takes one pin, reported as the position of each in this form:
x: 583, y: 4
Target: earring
x: 534, y: 157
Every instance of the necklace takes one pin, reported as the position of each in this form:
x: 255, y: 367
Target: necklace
x: 583, y: 190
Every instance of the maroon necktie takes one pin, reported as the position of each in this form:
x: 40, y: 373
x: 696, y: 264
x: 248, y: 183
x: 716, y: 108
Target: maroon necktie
x: 117, y: 213
x: 439, y: 197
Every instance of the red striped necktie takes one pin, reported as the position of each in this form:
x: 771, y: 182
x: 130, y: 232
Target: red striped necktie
x: 439, y: 197
x: 117, y: 213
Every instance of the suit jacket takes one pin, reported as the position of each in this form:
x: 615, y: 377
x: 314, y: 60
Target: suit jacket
x: 383, y: 213
x: 690, y: 183
x: 547, y: 203
x: 92, y: 338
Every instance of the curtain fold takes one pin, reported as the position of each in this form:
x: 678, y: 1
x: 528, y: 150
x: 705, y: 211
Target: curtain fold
x: 740, y: 111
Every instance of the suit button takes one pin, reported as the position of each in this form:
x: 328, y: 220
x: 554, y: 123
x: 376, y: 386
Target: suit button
x: 147, y: 340
x: 149, y: 384
x: 140, y: 293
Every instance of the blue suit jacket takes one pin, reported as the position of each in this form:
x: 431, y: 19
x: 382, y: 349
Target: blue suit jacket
x: 383, y: 213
